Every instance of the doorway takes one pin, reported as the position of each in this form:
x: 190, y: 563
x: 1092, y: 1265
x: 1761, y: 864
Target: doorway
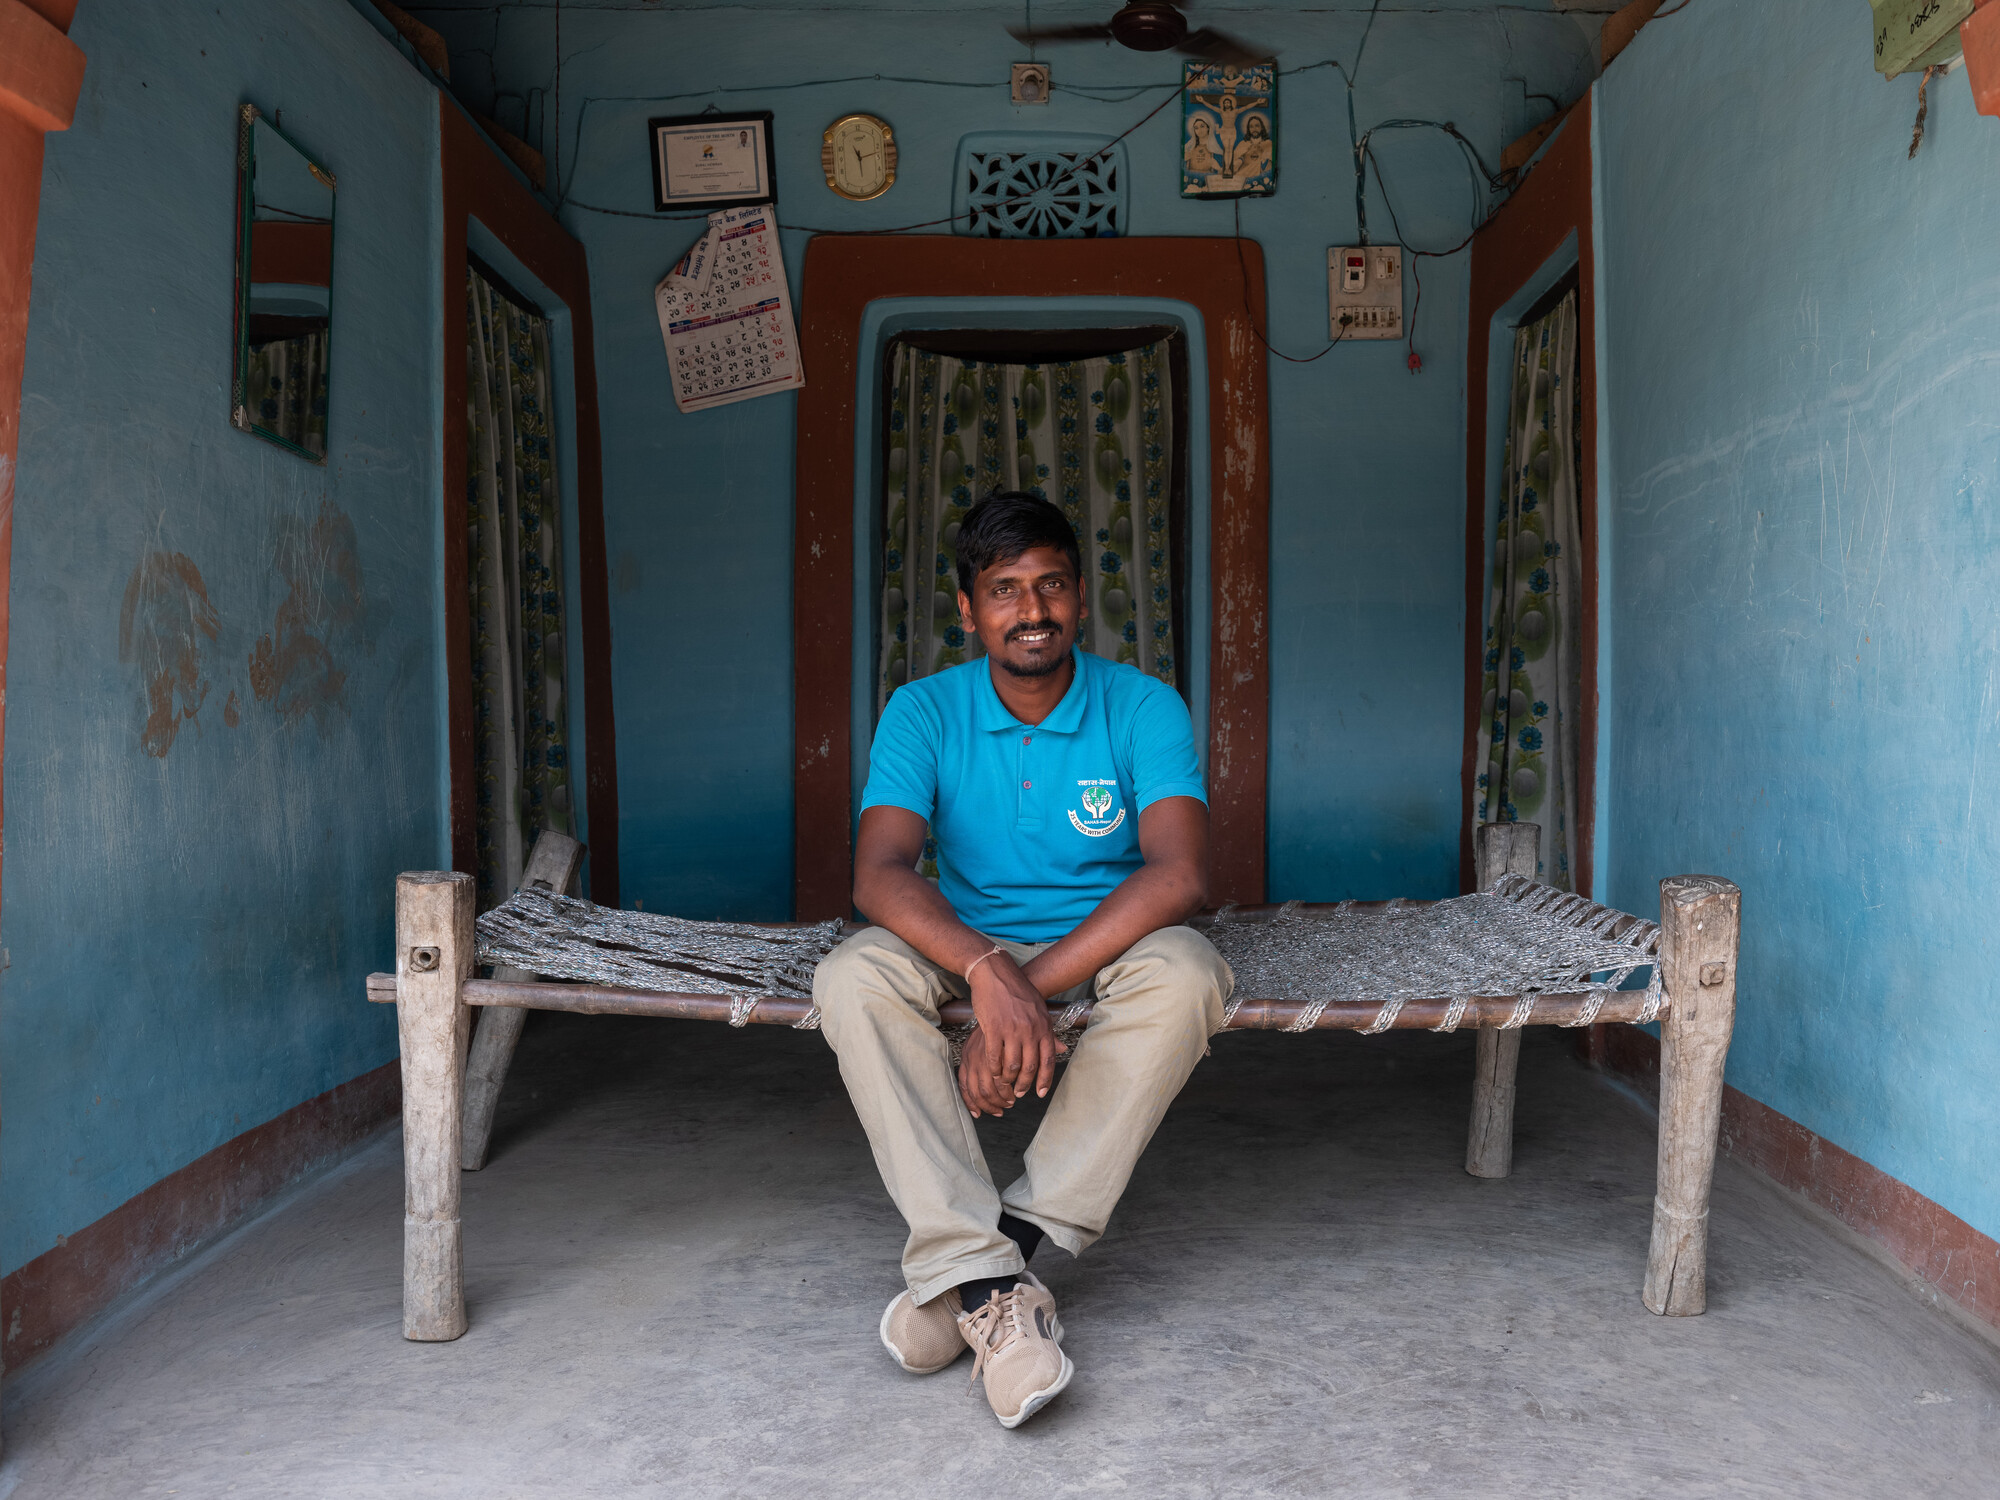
x: 1531, y: 705
x: 516, y: 582
x: 1537, y: 251
x: 489, y: 215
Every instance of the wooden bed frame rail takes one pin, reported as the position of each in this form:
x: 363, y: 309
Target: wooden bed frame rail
x: 448, y: 1104
x: 1482, y: 1012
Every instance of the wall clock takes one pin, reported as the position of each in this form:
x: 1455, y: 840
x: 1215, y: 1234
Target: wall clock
x: 858, y: 154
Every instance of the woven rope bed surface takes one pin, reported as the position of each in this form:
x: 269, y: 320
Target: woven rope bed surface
x: 1519, y: 941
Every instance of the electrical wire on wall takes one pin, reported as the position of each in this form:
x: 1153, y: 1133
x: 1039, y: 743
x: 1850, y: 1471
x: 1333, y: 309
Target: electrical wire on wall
x: 1365, y: 157
x: 1486, y: 185
x: 1416, y: 256
x: 1250, y: 317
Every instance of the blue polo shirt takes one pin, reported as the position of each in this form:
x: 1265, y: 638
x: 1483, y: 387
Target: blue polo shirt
x: 1035, y: 824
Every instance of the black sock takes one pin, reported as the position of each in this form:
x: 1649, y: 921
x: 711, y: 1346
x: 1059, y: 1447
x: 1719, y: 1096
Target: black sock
x: 974, y: 1295
x: 1022, y: 1233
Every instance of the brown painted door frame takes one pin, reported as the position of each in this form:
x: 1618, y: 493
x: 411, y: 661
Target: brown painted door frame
x: 1224, y: 280
x: 1551, y: 205
x: 479, y: 185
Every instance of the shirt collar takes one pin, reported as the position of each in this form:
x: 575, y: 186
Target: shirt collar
x: 1066, y: 718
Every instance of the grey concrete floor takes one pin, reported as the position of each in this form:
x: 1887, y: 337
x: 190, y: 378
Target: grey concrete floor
x: 676, y: 1261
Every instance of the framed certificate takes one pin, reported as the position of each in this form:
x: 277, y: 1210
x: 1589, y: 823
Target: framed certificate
x: 712, y: 161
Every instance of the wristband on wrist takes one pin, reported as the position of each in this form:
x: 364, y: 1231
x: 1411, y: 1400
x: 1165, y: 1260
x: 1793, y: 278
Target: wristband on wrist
x: 996, y: 948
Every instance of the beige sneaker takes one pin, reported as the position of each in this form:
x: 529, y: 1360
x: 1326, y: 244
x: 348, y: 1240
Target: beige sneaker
x: 923, y: 1339
x: 1016, y: 1343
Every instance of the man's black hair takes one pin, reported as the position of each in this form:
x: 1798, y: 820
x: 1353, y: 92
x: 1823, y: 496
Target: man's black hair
x: 1003, y: 526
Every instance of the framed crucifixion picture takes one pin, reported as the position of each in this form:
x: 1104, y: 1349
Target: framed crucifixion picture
x: 1229, y: 144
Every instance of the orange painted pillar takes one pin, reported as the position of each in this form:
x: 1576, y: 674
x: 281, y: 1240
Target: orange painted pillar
x: 41, y: 73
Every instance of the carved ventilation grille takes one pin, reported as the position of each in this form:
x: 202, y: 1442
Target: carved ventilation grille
x: 1021, y: 186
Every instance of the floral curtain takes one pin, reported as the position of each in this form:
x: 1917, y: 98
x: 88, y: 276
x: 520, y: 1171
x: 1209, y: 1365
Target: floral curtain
x: 514, y: 531
x: 1093, y: 435
x: 1528, y: 732
x: 286, y: 389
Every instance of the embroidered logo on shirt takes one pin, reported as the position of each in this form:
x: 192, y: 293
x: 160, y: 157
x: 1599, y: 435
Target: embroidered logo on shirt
x: 1097, y: 800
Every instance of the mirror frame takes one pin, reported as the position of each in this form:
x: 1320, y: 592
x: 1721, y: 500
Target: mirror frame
x: 246, y: 156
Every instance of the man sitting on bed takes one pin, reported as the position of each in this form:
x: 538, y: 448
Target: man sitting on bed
x: 1072, y: 841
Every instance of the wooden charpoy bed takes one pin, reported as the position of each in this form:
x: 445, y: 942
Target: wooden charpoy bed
x: 449, y: 1091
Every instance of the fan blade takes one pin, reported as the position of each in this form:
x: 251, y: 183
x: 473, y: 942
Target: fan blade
x: 1099, y: 33
x: 1212, y: 46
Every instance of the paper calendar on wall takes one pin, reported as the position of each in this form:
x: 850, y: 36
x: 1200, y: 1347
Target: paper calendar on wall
x: 726, y: 314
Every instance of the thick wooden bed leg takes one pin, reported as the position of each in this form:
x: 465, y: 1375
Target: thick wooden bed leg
x: 493, y: 1044
x: 1489, y: 1144
x: 1498, y: 849
x: 433, y: 959
x: 552, y: 865
x: 1700, y: 925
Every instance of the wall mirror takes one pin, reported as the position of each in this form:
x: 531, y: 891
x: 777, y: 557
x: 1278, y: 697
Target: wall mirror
x: 284, y: 289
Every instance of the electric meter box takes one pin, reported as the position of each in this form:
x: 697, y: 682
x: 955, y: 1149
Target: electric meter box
x: 1911, y: 34
x: 1364, y: 292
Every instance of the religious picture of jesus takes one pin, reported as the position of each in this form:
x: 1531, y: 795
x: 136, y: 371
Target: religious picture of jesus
x: 1229, y: 137
x: 1252, y: 158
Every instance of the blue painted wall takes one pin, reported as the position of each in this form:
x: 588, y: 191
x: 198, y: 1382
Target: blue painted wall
x: 1368, y: 477
x: 1803, y: 331
x: 189, y: 923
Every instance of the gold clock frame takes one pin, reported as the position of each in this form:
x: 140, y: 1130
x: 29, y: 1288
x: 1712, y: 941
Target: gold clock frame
x: 888, y: 155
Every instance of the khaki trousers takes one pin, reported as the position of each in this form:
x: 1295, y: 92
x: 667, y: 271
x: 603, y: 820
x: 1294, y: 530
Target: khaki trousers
x: 1156, y: 1006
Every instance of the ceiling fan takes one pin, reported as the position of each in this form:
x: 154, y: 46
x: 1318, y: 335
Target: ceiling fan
x: 1152, y: 26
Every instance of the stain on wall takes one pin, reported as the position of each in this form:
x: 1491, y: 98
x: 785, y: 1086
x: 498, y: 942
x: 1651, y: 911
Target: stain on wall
x: 295, y: 668
x: 168, y: 624
x: 163, y: 629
